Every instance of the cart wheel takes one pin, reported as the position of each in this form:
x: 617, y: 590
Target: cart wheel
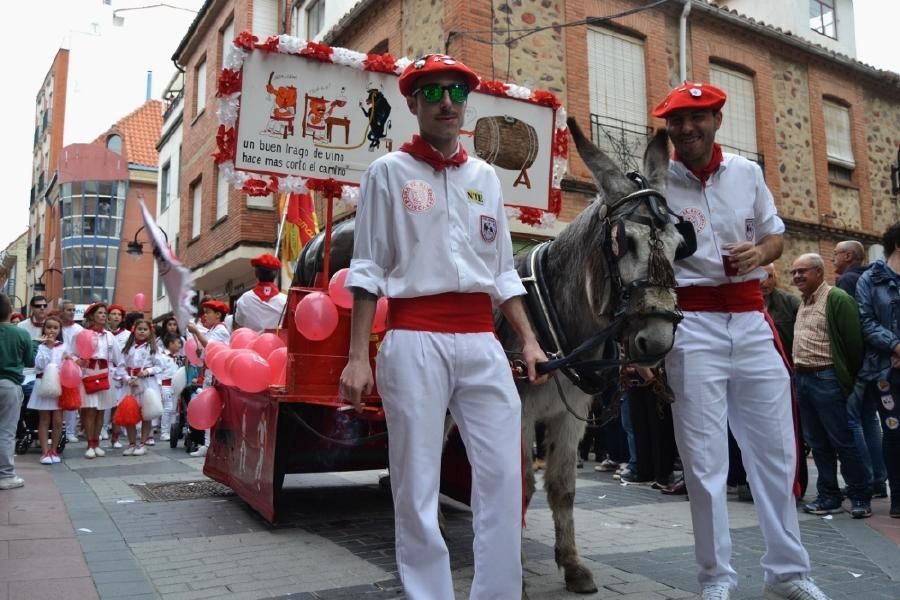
x: 23, y: 445
x: 173, y: 436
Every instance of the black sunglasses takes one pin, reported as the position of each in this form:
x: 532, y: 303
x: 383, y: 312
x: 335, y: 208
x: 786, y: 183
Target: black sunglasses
x: 434, y: 92
x: 39, y: 305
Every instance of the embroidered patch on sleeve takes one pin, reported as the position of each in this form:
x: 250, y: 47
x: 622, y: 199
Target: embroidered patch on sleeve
x: 488, y: 228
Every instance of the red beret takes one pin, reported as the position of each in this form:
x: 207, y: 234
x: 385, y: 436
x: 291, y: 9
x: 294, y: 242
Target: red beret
x: 266, y: 261
x: 91, y: 308
x: 19, y: 315
x: 216, y: 305
x: 117, y: 307
x: 691, y: 96
x: 435, y: 63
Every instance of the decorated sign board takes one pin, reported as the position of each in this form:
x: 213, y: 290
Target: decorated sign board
x: 297, y: 115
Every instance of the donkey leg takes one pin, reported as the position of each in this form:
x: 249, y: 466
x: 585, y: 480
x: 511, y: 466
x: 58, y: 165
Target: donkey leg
x: 563, y: 434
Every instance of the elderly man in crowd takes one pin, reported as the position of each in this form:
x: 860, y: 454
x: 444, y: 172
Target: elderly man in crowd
x: 848, y: 258
x: 828, y: 350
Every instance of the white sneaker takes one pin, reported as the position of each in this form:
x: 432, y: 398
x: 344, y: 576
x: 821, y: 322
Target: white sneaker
x: 89, y: 453
x: 150, y: 442
x: 716, y: 591
x: 72, y: 438
x: 100, y: 451
x: 140, y: 451
x: 801, y: 588
x: 128, y: 451
x: 199, y: 452
x: 46, y: 459
x: 55, y: 458
x: 104, y: 435
x: 8, y: 483
x: 165, y: 437
x: 117, y: 444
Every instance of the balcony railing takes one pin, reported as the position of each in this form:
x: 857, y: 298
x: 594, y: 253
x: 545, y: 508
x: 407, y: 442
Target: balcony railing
x: 622, y: 141
x: 749, y: 155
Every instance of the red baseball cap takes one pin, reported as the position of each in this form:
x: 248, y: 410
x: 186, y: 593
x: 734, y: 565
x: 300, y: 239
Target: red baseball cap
x: 691, y: 96
x: 266, y: 261
x: 435, y: 63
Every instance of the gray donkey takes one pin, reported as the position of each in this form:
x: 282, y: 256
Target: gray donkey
x: 605, y: 283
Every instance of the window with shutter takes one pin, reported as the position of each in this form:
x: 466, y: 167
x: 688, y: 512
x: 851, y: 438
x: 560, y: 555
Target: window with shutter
x: 738, y: 131
x: 837, y: 135
x: 221, y: 195
x: 196, y: 206
x: 618, y: 95
x: 200, y: 88
x: 226, y: 40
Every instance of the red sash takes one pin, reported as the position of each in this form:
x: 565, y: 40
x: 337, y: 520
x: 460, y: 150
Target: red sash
x: 452, y: 312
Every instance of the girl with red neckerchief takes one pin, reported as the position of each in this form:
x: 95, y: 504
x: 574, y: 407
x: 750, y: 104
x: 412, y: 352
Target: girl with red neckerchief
x: 142, y: 363
x: 95, y: 372
x: 115, y: 316
x: 45, y: 397
x: 214, y: 313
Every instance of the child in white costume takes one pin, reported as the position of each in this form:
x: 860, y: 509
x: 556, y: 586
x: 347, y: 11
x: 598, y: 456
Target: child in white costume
x: 141, y: 368
x: 45, y: 397
x: 173, y: 357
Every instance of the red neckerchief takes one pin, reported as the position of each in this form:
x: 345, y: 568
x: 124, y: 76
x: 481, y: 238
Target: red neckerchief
x: 422, y: 150
x: 118, y: 331
x: 41, y: 324
x: 266, y: 291
x: 98, y: 329
x: 138, y: 344
x: 704, y: 173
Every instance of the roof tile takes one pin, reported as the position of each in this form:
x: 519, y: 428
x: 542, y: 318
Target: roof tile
x: 140, y: 131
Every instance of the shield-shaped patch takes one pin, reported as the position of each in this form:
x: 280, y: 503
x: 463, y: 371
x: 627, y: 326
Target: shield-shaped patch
x: 488, y: 228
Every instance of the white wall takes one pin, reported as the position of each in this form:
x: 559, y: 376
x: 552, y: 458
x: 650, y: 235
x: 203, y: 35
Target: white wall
x: 793, y: 16
x: 169, y: 219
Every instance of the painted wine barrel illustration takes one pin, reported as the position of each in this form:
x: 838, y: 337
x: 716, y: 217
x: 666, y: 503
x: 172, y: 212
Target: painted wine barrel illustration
x: 506, y: 142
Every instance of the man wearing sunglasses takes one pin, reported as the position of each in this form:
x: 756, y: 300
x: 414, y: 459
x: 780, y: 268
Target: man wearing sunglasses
x: 432, y: 236
x: 34, y: 325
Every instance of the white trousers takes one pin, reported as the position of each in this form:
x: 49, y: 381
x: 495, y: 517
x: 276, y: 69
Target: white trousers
x: 169, y: 405
x: 420, y: 376
x: 724, y: 369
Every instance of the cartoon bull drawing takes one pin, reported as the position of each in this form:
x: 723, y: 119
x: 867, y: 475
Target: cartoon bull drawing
x: 378, y: 112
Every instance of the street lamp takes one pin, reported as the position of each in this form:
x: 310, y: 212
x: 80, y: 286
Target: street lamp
x: 119, y: 21
x: 136, y: 248
x: 39, y: 286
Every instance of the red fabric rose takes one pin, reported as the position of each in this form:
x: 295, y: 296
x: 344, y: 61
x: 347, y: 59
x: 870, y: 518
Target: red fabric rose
x: 257, y: 187
x: 530, y: 216
x: 545, y: 98
x: 494, y: 88
x: 329, y: 188
x: 317, y: 51
x: 246, y: 40
x: 270, y: 45
x: 555, y: 201
x: 380, y: 63
x: 226, y: 141
x: 561, y: 143
x: 229, y: 82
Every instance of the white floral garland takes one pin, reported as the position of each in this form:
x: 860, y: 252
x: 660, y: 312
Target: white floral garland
x: 229, y: 107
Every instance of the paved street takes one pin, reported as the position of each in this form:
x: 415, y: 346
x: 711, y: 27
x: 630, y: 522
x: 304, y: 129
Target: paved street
x: 87, y: 529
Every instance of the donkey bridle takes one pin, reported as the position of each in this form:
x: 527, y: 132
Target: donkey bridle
x: 587, y: 375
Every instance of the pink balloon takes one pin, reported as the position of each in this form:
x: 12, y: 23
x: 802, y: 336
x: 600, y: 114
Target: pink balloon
x: 213, y: 348
x: 70, y: 374
x: 316, y: 316
x: 228, y: 370
x: 250, y: 372
x: 278, y: 366
x: 242, y: 338
x: 140, y: 301
x: 204, y: 409
x: 217, y: 363
x: 340, y: 295
x: 86, y: 343
x: 266, y: 343
x: 379, y: 323
x: 191, y: 352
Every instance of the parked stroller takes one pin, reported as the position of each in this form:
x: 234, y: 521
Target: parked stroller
x: 27, y: 430
x: 193, y: 438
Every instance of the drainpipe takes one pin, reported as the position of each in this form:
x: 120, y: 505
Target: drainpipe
x: 682, y: 41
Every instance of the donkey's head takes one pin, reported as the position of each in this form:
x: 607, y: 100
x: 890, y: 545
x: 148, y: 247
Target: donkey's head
x: 634, y: 240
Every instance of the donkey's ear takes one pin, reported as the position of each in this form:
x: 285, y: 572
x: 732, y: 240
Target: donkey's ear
x: 656, y: 159
x: 608, y: 176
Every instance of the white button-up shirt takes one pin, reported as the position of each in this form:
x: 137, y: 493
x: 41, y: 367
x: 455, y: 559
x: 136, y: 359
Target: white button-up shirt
x: 421, y: 232
x: 734, y: 206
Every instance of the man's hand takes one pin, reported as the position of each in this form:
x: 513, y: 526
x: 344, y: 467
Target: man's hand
x: 645, y: 373
x: 746, y: 256
x: 532, y: 354
x: 356, y: 380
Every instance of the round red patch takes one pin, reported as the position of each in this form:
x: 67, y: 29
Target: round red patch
x: 695, y: 217
x: 418, y: 196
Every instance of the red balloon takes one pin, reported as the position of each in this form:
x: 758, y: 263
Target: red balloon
x: 316, y: 316
x: 242, y: 338
x: 266, y: 343
x: 70, y: 374
x: 340, y: 295
x: 86, y: 343
x: 204, y: 409
x: 278, y: 366
x: 213, y: 348
x: 140, y: 301
x: 379, y: 323
x: 217, y: 363
x: 191, y: 352
x: 250, y: 372
x: 228, y: 370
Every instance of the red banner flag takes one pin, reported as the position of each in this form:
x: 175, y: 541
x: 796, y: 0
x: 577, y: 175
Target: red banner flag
x: 300, y: 225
